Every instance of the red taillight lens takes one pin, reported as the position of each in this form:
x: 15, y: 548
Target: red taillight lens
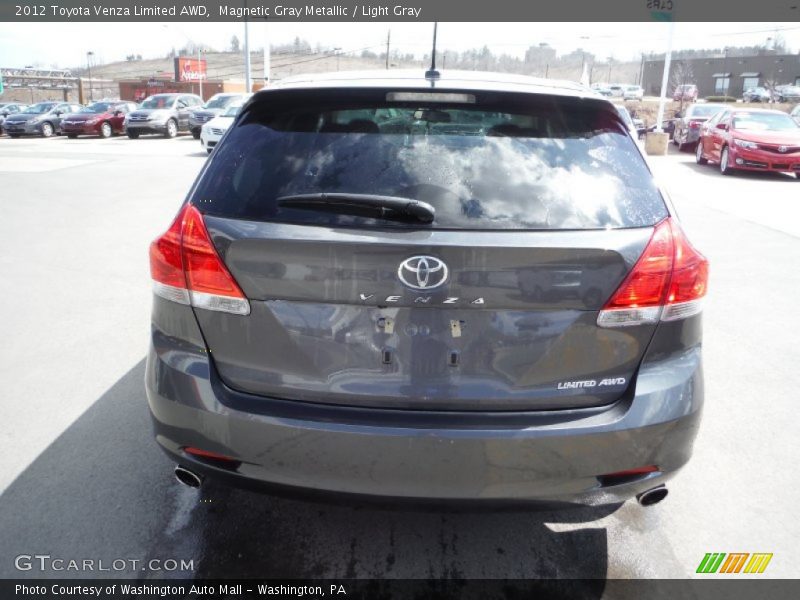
x: 647, y: 282
x: 689, y: 281
x: 205, y: 271
x: 694, y: 124
x: 186, y: 268
x: 166, y: 264
x: 667, y: 282
x: 689, y: 272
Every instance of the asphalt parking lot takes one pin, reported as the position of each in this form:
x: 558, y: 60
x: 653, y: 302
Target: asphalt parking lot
x: 81, y: 477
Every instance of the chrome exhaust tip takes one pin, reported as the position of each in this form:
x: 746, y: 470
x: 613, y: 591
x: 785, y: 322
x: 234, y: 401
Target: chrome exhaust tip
x: 653, y: 496
x: 187, y: 477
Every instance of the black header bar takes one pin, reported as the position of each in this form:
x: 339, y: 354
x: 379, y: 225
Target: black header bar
x: 399, y: 10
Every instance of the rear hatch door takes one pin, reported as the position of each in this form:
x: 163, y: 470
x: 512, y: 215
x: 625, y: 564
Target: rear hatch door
x: 542, y: 206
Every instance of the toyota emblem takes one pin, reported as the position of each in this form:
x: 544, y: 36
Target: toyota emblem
x: 782, y: 149
x: 422, y: 272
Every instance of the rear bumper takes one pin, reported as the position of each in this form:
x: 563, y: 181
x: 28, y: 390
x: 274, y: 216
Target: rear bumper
x: 548, y: 456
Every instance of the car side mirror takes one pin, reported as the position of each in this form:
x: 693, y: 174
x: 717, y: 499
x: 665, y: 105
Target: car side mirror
x: 117, y: 113
x: 58, y: 113
x: 722, y: 126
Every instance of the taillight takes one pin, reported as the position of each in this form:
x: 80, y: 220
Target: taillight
x: 694, y: 124
x: 186, y: 268
x: 667, y: 283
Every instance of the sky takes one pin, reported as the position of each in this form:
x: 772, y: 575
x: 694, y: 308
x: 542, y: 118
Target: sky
x: 65, y: 44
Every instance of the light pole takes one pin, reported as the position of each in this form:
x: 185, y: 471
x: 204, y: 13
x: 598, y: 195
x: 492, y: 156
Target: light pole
x: 248, y: 76
x: 336, y: 54
x: 89, y: 56
x: 266, y: 54
x: 200, y: 73
x: 726, y: 77
x: 583, y: 61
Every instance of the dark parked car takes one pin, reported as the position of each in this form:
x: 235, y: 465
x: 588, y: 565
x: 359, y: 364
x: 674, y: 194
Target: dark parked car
x: 99, y: 118
x: 687, y: 128
x: 215, y: 106
x: 667, y: 126
x: 472, y: 290
x: 165, y: 114
x: 42, y: 118
x: 9, y: 108
x: 757, y: 94
x: 787, y: 93
x: 751, y: 140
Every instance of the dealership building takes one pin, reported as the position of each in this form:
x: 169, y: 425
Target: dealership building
x: 723, y: 76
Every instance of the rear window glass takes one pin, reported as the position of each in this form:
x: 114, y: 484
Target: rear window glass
x: 504, y: 161
x: 160, y: 101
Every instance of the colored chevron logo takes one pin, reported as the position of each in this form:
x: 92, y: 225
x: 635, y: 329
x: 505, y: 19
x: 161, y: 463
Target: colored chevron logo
x: 735, y: 562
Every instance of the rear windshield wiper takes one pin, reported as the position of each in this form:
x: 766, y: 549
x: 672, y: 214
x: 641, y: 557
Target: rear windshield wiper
x: 383, y: 207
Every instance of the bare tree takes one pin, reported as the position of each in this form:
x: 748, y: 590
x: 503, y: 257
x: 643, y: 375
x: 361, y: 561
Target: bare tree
x: 681, y: 73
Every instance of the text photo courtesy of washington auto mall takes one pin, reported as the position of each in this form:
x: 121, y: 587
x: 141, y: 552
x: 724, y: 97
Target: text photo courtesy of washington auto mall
x: 419, y: 299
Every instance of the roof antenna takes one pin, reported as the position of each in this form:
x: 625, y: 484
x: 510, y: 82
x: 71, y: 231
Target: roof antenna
x: 432, y: 73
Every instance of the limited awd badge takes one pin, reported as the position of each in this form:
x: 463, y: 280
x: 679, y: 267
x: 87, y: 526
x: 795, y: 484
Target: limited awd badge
x: 422, y: 272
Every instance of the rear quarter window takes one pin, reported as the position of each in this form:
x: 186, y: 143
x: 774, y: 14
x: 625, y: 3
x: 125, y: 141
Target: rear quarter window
x: 506, y: 161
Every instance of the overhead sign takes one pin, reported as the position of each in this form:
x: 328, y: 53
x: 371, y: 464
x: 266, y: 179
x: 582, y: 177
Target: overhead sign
x: 190, y: 69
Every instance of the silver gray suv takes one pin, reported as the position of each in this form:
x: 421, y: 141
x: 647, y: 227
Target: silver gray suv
x: 164, y: 114
x: 464, y: 287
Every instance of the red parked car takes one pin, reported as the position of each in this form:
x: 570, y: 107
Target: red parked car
x: 751, y: 140
x: 99, y: 118
x: 685, y: 92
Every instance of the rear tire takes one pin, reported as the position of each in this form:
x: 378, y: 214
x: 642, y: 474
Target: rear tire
x: 133, y: 135
x: 105, y: 130
x: 724, y: 166
x: 196, y: 134
x: 13, y: 135
x: 698, y: 153
x: 72, y: 136
x: 171, y: 130
x: 46, y: 129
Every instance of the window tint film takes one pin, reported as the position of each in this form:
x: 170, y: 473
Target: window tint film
x: 504, y: 161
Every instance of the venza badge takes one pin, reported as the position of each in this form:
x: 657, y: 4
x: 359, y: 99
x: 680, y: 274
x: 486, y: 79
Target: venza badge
x: 422, y: 272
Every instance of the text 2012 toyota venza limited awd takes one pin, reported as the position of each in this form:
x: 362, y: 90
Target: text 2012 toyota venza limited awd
x: 465, y: 287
